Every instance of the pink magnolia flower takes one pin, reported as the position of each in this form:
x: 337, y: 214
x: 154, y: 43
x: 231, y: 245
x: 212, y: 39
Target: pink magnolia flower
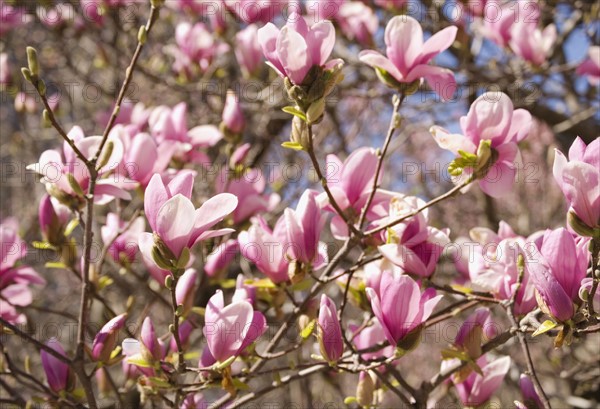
x: 25, y: 103
x: 58, y: 373
x: 169, y: 214
x: 231, y: 329
x: 196, y: 47
x: 590, y: 66
x: 400, y: 319
x: 390, y: 4
x: 413, y: 245
x: 194, y: 400
x: 476, y: 328
x: 296, y: 48
x: 531, y: 43
x: 329, y: 331
x: 185, y: 330
x: 303, y: 227
x: 243, y: 291
x: 408, y: 56
x: 248, y: 51
x: 133, y: 116
x: 220, y: 258
x: 15, y: 278
x: 557, y: 272
x: 358, y: 22
x: 478, y: 389
x: 12, y: 17
x: 123, y: 243
x: 351, y: 183
x: 56, y: 16
x: 53, y: 217
x: 491, y: 120
x: 186, y: 289
x: 499, y: 19
x: 106, y: 339
x: 493, y: 265
x: 265, y: 247
x: 368, y: 337
x: 531, y: 399
x: 143, y: 157
x: 250, y: 189
x: 170, y: 124
x: 151, y: 348
x: 233, y: 117
x: 579, y: 180
x: 55, y: 169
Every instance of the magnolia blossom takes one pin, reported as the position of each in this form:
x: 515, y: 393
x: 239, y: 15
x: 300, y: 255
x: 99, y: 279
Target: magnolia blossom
x: 221, y: 256
x: 56, y: 168
x: 500, y: 18
x: 413, y: 245
x: 143, y: 157
x: 196, y: 48
x: 252, y: 11
x: 170, y: 124
x: 303, y: 227
x: 106, y: 339
x: 58, y: 373
x: 478, y: 389
x: 351, y: 183
x: 295, y: 49
x: 185, y: 290
x: 390, y: 4
x: 247, y: 50
x: 231, y: 329
x: 53, y: 217
x: 558, y: 271
x: 408, y: 56
x: 531, y: 399
x: 590, y: 66
x: 492, y: 265
x: 329, y: 331
x: 585, y: 290
x: 368, y: 337
x: 491, y: 123
x: 532, y: 44
x: 122, y: 242
x: 400, y: 319
x: 169, y: 211
x: 14, y: 277
x: 265, y: 248
x: 579, y: 179
x: 12, y: 17
x: 233, y: 117
x: 356, y: 20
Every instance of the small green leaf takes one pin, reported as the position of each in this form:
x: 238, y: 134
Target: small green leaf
x: 71, y: 226
x: 308, y: 330
x: 349, y: 400
x: 55, y: 264
x: 545, y: 327
x: 262, y: 283
x: 301, y: 286
x: 159, y: 382
x: 226, y: 363
x: 292, y: 145
x: 104, y: 282
x: 115, y: 352
x: 43, y: 245
x: 227, y: 284
x: 138, y: 360
x: 294, y: 111
x: 453, y: 353
x: 199, y: 310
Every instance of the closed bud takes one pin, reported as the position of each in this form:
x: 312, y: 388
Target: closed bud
x: 169, y: 281
x: 365, y: 389
x: 142, y: 35
x: 315, y: 111
x: 157, y: 3
x: 106, y: 154
x: 46, y: 123
x: 32, y: 61
x: 26, y: 74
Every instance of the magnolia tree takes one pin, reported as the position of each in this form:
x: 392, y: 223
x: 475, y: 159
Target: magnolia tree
x: 294, y: 203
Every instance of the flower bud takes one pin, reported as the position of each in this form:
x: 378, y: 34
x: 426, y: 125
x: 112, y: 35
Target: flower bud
x: 233, y: 117
x: 151, y: 350
x: 75, y: 185
x: 32, y: 61
x: 106, y: 340
x: 315, y: 111
x: 58, y: 373
x: 579, y: 225
x: 186, y: 290
x: 105, y: 155
x: 142, y: 35
x: 329, y: 331
x: 365, y: 389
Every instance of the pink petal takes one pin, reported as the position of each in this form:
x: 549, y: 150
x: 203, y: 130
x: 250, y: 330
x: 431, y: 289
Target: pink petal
x: 376, y: 60
x: 294, y: 55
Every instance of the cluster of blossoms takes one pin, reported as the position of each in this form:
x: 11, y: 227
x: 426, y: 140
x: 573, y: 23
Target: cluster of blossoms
x: 149, y: 154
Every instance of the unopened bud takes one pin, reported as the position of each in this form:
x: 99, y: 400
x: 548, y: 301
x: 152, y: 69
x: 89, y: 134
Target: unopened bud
x: 106, y: 154
x: 315, y: 111
x: 32, y: 61
x: 46, y: 123
x: 169, y: 281
x: 365, y: 389
x: 579, y: 225
x: 26, y: 74
x: 41, y: 88
x: 142, y: 35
